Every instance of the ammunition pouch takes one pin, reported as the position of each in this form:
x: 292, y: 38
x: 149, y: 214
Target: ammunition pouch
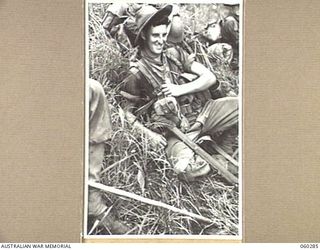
x: 190, y: 108
x: 169, y: 108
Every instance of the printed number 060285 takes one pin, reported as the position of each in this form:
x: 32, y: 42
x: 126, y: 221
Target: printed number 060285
x: 310, y: 246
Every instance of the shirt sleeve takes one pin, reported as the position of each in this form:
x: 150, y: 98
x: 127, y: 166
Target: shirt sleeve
x: 131, y: 85
x: 136, y: 89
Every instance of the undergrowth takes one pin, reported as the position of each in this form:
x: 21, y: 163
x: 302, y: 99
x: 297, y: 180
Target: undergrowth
x: 131, y: 164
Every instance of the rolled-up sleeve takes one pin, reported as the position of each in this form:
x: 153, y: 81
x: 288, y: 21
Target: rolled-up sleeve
x: 137, y: 91
x: 131, y: 85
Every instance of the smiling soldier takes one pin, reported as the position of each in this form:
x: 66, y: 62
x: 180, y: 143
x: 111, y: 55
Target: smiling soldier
x: 160, y: 90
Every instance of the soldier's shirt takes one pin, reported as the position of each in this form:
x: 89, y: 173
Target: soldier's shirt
x: 136, y: 83
x: 230, y: 31
x: 118, y: 9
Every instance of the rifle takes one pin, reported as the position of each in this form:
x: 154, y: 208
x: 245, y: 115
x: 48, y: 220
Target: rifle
x: 204, y: 155
x: 197, y: 149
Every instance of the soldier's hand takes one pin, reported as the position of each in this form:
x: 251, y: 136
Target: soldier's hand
x: 169, y: 89
x: 156, y: 139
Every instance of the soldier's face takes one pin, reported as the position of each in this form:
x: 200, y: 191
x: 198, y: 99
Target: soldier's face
x: 213, y: 32
x: 156, y: 38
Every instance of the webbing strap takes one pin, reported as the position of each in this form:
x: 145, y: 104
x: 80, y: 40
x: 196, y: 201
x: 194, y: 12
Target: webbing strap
x: 147, y: 72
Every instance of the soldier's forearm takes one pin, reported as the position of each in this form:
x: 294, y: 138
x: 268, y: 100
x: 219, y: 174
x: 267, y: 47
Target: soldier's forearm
x: 205, y: 80
x: 200, y: 84
x: 155, y: 138
x: 132, y: 119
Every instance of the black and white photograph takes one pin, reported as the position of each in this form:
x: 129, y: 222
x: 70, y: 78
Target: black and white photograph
x: 163, y: 147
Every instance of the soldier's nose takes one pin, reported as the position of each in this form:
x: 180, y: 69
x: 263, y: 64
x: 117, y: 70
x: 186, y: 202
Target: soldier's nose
x: 161, y: 39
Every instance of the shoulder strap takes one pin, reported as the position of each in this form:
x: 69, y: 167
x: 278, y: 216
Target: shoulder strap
x: 140, y: 66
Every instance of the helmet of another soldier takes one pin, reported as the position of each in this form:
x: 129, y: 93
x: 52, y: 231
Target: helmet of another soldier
x: 176, y: 33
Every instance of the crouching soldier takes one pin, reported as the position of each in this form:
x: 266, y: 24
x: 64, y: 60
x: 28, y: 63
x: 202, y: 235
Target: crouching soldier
x: 222, y: 34
x: 162, y: 91
x: 115, y: 15
x: 100, y: 130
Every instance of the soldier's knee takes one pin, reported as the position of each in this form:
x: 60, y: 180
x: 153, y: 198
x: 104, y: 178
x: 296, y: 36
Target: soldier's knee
x: 229, y: 102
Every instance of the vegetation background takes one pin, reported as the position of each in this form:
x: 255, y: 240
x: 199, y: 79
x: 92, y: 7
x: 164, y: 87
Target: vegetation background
x: 131, y: 164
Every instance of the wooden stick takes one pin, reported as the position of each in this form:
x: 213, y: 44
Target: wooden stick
x: 147, y: 201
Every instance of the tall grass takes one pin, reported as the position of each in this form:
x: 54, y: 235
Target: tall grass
x: 133, y: 165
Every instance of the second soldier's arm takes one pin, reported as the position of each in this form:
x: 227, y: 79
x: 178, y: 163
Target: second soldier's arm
x: 155, y: 138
